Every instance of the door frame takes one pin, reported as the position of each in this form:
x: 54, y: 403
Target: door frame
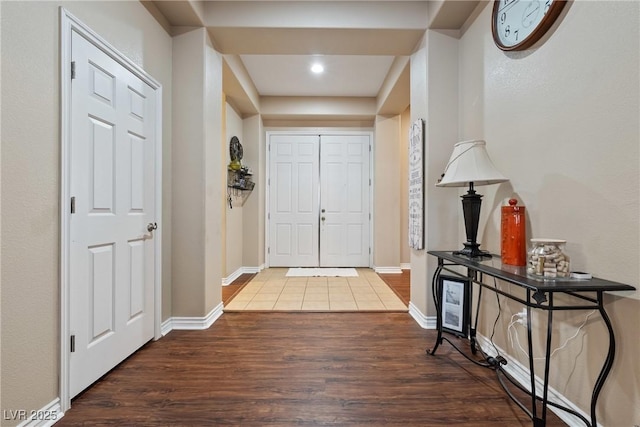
x: 319, y: 132
x: 68, y: 24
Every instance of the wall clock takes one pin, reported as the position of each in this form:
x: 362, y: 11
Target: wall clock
x: 235, y: 151
x: 518, y: 24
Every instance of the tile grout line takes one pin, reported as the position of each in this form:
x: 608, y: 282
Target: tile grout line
x: 261, y: 301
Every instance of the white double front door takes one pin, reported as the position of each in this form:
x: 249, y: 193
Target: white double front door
x: 319, y: 200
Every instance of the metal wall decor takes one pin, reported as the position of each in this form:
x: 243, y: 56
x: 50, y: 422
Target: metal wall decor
x: 239, y: 178
x: 235, y: 152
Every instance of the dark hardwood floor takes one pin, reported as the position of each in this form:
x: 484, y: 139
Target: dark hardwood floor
x: 400, y: 283
x: 309, y: 369
x: 229, y: 291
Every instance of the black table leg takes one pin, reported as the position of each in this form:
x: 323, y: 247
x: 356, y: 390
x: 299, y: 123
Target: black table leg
x: 474, y: 325
x: 608, y: 363
x: 437, y: 301
x: 547, y: 361
x: 532, y: 370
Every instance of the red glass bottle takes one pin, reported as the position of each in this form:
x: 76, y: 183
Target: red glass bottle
x: 513, y: 235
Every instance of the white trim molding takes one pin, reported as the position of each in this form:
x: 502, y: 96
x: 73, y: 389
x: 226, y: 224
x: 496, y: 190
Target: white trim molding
x: 388, y: 270
x: 242, y: 270
x: 405, y: 266
x: 192, y: 323
x: 426, y: 322
x: 226, y: 281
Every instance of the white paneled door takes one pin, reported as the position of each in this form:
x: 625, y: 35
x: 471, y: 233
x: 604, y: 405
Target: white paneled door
x: 294, y: 168
x: 319, y: 209
x: 111, y: 301
x: 344, y: 201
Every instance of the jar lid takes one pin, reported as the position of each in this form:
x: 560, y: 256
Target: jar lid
x: 556, y: 241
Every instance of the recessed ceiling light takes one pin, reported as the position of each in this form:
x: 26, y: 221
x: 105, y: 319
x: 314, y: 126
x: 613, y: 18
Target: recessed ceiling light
x: 317, y: 68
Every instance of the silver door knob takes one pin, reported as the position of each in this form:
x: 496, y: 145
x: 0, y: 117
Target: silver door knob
x: 152, y: 226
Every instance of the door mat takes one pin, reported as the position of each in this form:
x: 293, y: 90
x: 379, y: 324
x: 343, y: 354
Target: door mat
x: 322, y: 272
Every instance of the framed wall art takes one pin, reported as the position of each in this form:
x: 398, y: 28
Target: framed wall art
x: 454, y: 304
x: 416, y: 185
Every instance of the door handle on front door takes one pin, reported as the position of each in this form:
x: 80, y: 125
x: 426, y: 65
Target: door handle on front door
x: 152, y: 226
x: 322, y: 218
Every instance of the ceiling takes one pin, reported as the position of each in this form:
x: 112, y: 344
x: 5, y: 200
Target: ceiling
x: 270, y: 45
x: 344, y: 75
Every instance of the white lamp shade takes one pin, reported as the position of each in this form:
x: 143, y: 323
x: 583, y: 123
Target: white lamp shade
x: 470, y: 162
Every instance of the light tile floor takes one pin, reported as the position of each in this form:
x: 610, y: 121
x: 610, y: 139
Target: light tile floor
x: 271, y: 290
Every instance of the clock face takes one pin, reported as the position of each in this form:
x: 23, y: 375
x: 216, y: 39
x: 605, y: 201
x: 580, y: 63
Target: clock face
x: 518, y: 24
x: 235, y: 149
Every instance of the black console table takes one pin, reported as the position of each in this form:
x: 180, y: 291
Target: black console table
x: 533, y: 293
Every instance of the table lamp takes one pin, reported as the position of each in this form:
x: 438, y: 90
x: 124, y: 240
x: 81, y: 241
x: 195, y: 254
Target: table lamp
x: 470, y: 165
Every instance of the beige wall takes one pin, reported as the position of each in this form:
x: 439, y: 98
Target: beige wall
x: 188, y: 175
x: 199, y: 176
x: 215, y: 185
x: 405, y: 125
x: 387, y: 195
x: 434, y: 98
x: 253, y: 213
x: 562, y: 122
x: 419, y: 274
x: 234, y: 216
x: 30, y: 142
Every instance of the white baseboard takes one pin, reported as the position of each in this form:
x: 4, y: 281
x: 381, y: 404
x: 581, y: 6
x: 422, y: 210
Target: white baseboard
x: 521, y: 374
x: 233, y: 276
x: 166, y: 327
x: 387, y: 270
x: 426, y: 322
x: 43, y: 417
x: 192, y: 323
x: 405, y: 266
x: 253, y: 270
x: 242, y: 270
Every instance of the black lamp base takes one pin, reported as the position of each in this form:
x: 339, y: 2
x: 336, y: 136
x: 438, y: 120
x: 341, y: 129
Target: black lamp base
x: 472, y: 252
x: 471, y: 203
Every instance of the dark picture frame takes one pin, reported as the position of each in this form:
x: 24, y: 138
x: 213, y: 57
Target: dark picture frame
x: 454, y: 304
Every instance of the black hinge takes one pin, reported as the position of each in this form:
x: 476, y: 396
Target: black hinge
x: 73, y: 204
x: 73, y: 344
x: 73, y: 70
